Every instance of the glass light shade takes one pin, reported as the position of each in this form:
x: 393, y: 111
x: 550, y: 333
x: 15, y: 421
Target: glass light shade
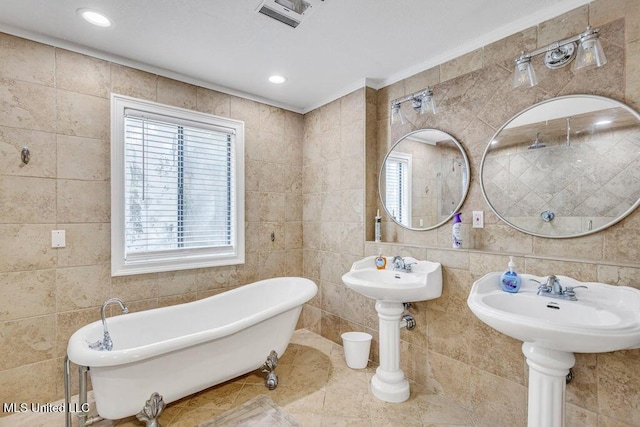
x: 524, y: 74
x: 396, y: 115
x: 590, y: 53
x: 427, y: 105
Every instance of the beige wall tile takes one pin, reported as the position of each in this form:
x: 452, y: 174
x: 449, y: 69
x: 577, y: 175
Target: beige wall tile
x: 27, y: 105
x: 87, y: 244
x: 449, y: 377
x: 32, y: 294
x: 632, y: 89
x: 422, y: 80
x: 583, y: 389
x: 83, y: 201
x: 566, y: 25
x: 178, y: 282
x: 30, y: 340
x: 82, y: 287
x: 509, y: 409
x: 506, y: 50
x: 83, y: 74
x: 26, y: 247
x: 26, y: 60
x: 82, y: 158
x: 213, y: 102
x: 27, y: 200
x: 352, y: 108
x: 68, y: 322
x: 136, y: 287
x: 42, y: 148
x: 462, y: 65
x: 246, y: 110
x: 293, y: 125
x: 176, y: 299
x: 131, y: 82
x: 579, y: 417
x: 587, y: 247
x: 272, y: 119
x: 178, y: 94
x: 82, y: 115
x: 29, y: 383
x: 619, y: 386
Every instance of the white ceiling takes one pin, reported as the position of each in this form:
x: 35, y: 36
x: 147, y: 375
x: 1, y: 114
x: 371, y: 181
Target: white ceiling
x: 228, y: 46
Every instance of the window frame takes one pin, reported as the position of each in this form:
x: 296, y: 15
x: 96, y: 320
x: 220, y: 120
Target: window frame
x: 182, y: 259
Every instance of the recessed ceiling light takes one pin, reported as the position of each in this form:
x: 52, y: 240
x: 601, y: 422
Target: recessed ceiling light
x: 277, y: 80
x: 94, y: 18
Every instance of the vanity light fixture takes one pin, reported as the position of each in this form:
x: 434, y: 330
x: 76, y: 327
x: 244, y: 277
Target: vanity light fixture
x: 421, y: 101
x: 95, y: 18
x: 585, y: 48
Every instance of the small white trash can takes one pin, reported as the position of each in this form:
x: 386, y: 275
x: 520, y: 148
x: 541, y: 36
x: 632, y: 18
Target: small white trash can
x: 356, y: 349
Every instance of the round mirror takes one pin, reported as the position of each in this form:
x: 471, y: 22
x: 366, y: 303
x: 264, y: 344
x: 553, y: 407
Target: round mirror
x: 565, y: 167
x: 424, y: 179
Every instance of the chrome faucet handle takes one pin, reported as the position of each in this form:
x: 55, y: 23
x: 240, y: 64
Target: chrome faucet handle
x: 407, y: 267
x: 570, y: 292
x: 542, y: 287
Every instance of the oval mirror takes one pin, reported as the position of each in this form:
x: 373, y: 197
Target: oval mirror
x: 565, y: 167
x: 424, y: 179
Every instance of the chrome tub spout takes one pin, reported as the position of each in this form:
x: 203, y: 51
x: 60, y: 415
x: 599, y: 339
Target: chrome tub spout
x: 106, y: 343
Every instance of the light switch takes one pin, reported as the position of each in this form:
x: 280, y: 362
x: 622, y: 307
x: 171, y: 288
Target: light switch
x: 58, y: 239
x: 478, y: 219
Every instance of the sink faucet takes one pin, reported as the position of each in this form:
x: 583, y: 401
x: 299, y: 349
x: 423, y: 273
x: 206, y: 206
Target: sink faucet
x: 554, y: 284
x: 553, y: 289
x: 105, y: 343
x: 400, y: 265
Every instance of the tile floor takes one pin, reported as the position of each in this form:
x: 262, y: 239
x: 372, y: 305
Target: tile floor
x: 315, y: 387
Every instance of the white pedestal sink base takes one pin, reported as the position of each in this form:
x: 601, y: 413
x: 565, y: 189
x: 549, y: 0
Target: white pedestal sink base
x: 389, y: 383
x: 548, y: 371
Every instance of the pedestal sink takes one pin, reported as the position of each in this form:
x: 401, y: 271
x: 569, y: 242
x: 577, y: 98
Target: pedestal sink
x: 390, y: 289
x: 604, y: 318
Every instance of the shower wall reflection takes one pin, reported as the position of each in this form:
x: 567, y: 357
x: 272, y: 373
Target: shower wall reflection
x: 569, y: 174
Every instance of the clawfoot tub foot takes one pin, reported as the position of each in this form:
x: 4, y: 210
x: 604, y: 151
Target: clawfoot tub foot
x: 151, y: 411
x: 269, y: 367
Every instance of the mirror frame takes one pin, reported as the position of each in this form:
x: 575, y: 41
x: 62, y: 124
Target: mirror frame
x: 532, y: 233
x: 466, y: 188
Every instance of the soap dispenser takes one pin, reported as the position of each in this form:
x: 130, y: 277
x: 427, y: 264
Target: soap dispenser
x: 509, y: 280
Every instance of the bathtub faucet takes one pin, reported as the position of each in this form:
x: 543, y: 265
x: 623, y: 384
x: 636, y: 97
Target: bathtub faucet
x: 105, y: 343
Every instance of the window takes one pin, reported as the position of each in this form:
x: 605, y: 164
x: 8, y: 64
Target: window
x: 177, y: 188
x: 398, y: 187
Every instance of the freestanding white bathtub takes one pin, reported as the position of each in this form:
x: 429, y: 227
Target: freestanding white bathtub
x: 179, y: 350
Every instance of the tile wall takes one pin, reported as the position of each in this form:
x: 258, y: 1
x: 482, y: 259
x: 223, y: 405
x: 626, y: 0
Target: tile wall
x: 450, y: 351
x: 313, y: 176
x: 56, y: 102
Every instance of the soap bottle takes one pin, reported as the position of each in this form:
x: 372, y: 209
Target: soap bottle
x: 457, y: 230
x: 378, y: 231
x: 509, y: 280
x: 381, y: 262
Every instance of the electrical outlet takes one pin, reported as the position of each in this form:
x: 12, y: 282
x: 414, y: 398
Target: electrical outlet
x: 478, y: 219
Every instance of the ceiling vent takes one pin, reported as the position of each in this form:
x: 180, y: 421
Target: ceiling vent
x: 290, y: 12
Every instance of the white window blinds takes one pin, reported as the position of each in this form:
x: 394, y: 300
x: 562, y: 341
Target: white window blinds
x: 178, y: 186
x: 180, y: 197
x: 397, y: 187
